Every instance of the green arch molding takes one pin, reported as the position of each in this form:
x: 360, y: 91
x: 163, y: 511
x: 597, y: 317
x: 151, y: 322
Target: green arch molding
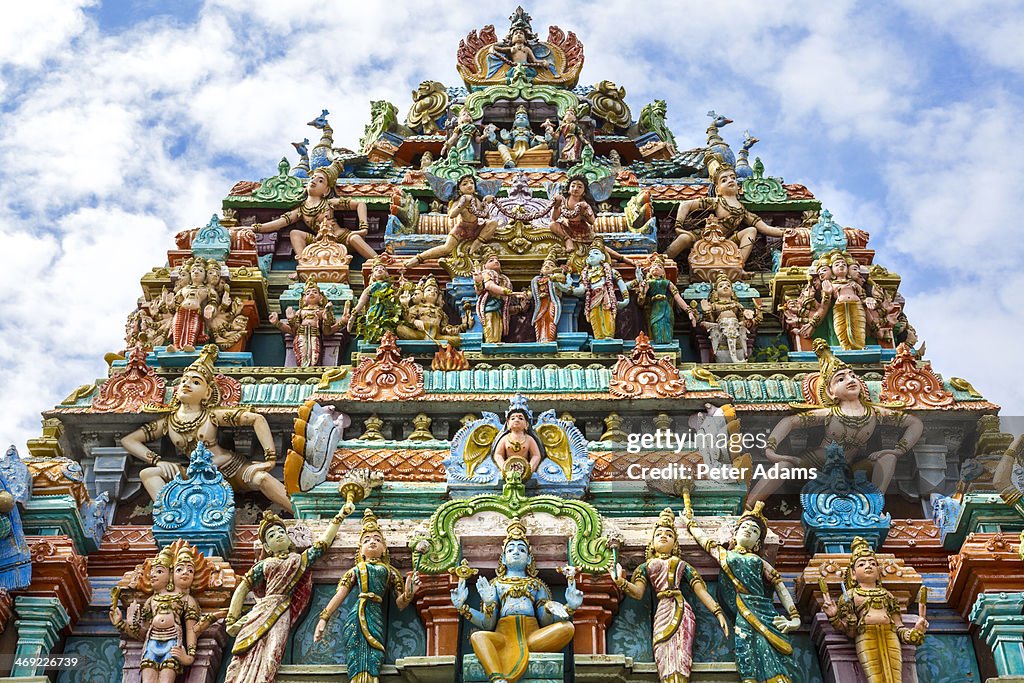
x: 520, y: 87
x: 588, y: 549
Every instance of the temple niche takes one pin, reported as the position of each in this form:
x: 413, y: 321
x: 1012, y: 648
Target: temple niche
x: 442, y: 402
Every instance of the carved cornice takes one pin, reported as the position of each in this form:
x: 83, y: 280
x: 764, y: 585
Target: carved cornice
x: 58, y: 570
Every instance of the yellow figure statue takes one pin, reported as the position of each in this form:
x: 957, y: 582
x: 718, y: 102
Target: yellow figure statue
x: 517, y: 615
x: 871, y: 615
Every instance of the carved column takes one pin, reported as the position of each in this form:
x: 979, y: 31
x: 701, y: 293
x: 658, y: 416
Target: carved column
x: 600, y: 603
x: 132, y: 652
x: 1000, y: 617
x: 40, y: 621
x: 987, y: 563
x: 209, y: 655
x: 839, y: 654
x: 440, y: 618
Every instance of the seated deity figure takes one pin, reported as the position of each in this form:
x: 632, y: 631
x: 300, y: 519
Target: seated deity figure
x: 737, y: 223
x: 516, y: 49
x: 423, y: 317
x: 517, y: 615
x: 728, y: 323
x: 872, y: 617
x: 849, y: 418
x: 316, y: 213
x: 473, y: 224
x: 520, y: 139
x: 195, y: 415
x: 310, y: 324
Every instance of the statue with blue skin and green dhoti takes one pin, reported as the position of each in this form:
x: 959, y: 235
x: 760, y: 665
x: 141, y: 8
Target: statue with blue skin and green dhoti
x: 517, y: 615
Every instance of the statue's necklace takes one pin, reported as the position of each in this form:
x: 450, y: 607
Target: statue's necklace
x: 852, y: 421
x: 516, y: 446
x: 314, y: 210
x: 187, y: 428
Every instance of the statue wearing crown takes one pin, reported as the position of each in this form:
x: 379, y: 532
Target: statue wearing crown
x: 283, y: 585
x: 520, y: 139
x: 675, y: 584
x: 844, y: 409
x: 764, y: 653
x: 735, y: 222
x: 487, y: 450
x: 169, y: 621
x: 310, y: 324
x: 316, y: 214
x: 517, y: 615
x: 872, y: 616
x: 599, y: 283
x: 365, y: 631
x: 196, y: 413
x: 377, y: 311
x: 520, y: 46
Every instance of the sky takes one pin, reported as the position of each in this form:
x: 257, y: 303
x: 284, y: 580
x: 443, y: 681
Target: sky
x: 124, y: 123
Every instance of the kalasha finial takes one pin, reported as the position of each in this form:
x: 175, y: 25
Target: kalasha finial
x: 519, y: 403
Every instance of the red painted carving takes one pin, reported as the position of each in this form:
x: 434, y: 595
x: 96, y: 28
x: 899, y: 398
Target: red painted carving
x: 471, y: 45
x: 388, y: 377
x: 128, y: 391
x: 570, y: 46
x: 641, y: 375
x: 914, y: 386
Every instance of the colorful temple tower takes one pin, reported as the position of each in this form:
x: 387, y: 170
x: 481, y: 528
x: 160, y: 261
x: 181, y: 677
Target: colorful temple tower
x: 521, y: 389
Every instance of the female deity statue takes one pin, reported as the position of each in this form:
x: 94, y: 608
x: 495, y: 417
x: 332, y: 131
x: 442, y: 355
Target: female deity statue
x: 316, y: 212
x: 736, y: 222
x: 573, y: 218
x: 547, y: 304
x: 377, y: 310
x: 872, y: 617
x: 598, y: 283
x: 570, y: 138
x: 364, y: 632
x: 494, y: 299
x: 423, y: 315
x: 727, y: 321
x: 465, y: 139
x: 313, y: 321
x: 262, y: 634
x: 674, y: 622
x: 195, y: 415
x: 762, y: 650
x: 517, y: 615
x: 473, y: 225
x: 849, y: 418
x: 658, y: 296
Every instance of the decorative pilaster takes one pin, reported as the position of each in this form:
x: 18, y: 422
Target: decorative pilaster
x: 58, y: 571
x: 600, y: 604
x: 440, y: 618
x: 987, y: 563
x: 1000, y: 618
x: 209, y: 655
x: 838, y: 654
x: 39, y: 623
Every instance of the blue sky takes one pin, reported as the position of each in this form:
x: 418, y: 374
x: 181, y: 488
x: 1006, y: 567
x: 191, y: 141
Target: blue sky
x: 123, y: 123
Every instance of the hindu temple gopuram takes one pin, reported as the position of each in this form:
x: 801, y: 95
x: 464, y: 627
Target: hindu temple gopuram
x: 520, y: 386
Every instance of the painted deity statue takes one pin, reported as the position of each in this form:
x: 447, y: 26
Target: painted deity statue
x: 423, y: 316
x: 473, y: 225
x: 520, y: 139
x: 316, y: 213
x: 839, y: 289
x: 169, y: 622
x: 310, y: 324
x: 738, y: 224
x: 872, y: 617
x: 520, y: 47
x: 261, y: 635
x: 517, y: 615
x: 658, y: 296
x: 598, y: 284
x: 673, y: 580
x: 763, y: 652
x: 728, y: 322
x: 573, y: 219
x: 518, y: 444
x: 365, y: 631
x: 228, y: 324
x: 195, y: 414
x: 494, y: 299
x: 193, y: 305
x: 570, y: 138
x: 377, y: 311
x: 545, y: 291
x: 465, y: 139
x: 849, y: 418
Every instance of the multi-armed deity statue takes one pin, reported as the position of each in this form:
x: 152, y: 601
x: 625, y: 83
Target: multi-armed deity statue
x: 517, y: 615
